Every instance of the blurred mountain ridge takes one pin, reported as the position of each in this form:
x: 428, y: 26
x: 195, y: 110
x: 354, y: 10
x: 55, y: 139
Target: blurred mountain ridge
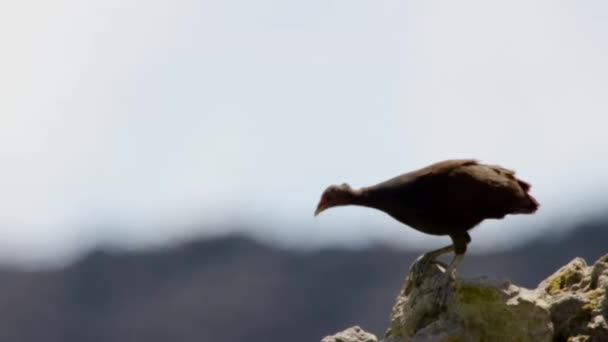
x: 234, y: 288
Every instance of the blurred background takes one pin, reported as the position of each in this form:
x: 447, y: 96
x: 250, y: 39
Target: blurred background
x: 161, y: 160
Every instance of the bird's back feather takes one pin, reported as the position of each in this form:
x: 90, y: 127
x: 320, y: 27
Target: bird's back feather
x: 453, y: 195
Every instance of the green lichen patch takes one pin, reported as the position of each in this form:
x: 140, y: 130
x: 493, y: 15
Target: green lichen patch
x: 588, y: 307
x: 475, y: 294
x: 564, y: 280
x: 484, y: 311
x: 594, y: 299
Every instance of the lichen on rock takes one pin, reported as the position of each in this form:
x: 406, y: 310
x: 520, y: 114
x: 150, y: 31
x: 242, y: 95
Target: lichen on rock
x: 571, y: 305
x: 577, y: 309
x: 477, y: 310
x: 565, y: 278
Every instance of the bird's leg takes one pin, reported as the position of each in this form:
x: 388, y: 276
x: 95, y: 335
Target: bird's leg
x: 451, y: 271
x: 448, y: 277
x: 431, y: 257
x: 460, y: 247
x: 421, y: 265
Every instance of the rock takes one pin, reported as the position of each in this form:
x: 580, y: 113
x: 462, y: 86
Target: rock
x: 353, y: 334
x: 476, y: 310
x: 576, y: 295
x: 571, y: 305
x: 566, y: 279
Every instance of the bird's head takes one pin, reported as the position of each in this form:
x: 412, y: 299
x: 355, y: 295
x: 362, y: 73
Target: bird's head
x: 335, y: 195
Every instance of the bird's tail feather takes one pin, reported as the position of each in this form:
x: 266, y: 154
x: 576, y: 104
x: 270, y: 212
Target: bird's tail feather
x: 524, y: 185
x: 532, y: 204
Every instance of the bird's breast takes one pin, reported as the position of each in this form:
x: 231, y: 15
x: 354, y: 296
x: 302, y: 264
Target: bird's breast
x: 424, y: 223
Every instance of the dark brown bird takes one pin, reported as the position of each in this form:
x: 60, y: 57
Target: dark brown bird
x: 447, y: 198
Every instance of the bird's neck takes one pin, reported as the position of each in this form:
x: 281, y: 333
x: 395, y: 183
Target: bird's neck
x: 367, y: 197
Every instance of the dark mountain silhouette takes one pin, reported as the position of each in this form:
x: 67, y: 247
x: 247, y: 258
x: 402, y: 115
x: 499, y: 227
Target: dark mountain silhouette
x: 235, y: 289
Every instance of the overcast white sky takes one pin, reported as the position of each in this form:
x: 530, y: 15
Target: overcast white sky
x: 142, y: 122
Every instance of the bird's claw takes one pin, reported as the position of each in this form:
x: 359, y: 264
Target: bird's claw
x: 421, y: 265
x: 424, y: 261
x: 442, y: 282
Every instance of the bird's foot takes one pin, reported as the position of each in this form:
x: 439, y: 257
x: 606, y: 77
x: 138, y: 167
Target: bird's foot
x: 424, y: 261
x: 421, y: 264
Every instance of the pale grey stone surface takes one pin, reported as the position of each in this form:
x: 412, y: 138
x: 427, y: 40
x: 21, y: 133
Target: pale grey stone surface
x: 570, y: 305
x: 352, y: 334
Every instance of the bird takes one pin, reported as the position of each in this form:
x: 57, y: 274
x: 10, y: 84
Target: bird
x: 449, y: 197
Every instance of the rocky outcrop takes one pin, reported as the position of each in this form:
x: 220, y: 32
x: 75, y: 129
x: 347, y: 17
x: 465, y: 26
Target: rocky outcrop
x: 476, y: 310
x: 570, y: 305
x: 353, y: 334
x: 577, y: 296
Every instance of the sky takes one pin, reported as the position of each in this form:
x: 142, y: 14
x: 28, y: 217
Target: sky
x: 141, y: 123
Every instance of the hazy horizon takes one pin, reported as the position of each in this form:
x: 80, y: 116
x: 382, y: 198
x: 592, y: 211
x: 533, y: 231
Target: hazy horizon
x: 140, y: 123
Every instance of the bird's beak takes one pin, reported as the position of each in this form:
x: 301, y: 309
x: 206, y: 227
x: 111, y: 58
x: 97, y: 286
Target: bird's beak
x: 322, y: 206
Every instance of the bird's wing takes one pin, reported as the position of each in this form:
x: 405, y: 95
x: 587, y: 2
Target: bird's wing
x: 474, y: 189
x: 428, y: 172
